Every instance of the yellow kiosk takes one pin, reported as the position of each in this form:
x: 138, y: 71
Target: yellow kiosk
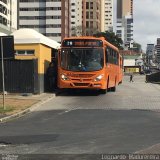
x: 29, y: 44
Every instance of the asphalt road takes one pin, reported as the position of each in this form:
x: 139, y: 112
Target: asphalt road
x: 86, y: 122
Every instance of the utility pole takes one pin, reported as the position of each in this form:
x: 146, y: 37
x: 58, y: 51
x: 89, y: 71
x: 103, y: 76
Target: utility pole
x: 3, y: 84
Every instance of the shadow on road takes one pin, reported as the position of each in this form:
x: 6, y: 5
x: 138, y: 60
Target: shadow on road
x: 27, y: 139
x: 77, y: 92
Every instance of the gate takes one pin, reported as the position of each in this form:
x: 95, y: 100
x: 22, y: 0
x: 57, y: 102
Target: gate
x: 21, y: 76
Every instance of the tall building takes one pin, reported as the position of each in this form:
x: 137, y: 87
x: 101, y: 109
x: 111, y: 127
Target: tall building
x: 124, y: 26
x: 91, y: 14
x: 51, y: 18
x: 8, y: 16
x: 150, y: 53
x: 158, y: 50
x: 86, y: 17
x: 124, y: 7
x: 108, y: 15
x: 76, y: 17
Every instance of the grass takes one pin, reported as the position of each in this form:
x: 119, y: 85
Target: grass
x: 6, y: 110
x: 13, y: 105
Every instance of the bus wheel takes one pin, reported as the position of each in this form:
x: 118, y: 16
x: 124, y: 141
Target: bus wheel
x: 113, y: 89
x: 108, y: 89
x: 120, y: 82
x: 103, y: 91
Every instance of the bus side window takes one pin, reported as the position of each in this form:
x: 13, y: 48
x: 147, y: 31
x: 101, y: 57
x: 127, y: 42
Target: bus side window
x: 118, y: 59
x: 107, y: 54
x: 121, y: 65
x: 114, y: 57
x: 111, y: 56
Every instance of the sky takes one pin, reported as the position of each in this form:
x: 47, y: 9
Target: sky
x: 146, y: 21
x: 146, y: 26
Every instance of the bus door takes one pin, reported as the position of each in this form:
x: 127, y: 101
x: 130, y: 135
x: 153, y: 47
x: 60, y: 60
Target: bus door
x: 108, y: 65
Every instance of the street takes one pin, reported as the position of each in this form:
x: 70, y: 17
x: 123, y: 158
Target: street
x: 86, y: 122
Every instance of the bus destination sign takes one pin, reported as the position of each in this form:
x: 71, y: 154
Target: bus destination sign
x: 82, y: 43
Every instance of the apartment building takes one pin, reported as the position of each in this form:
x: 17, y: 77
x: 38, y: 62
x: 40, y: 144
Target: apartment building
x: 76, y: 17
x: 91, y: 14
x: 108, y: 15
x: 158, y: 50
x: 124, y: 25
x: 50, y: 17
x: 124, y: 7
x: 150, y: 53
x: 87, y: 17
x: 8, y: 16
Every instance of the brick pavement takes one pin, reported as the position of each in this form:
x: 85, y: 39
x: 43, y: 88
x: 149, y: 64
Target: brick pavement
x: 136, y: 95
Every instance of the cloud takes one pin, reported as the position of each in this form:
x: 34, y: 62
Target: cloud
x: 146, y: 21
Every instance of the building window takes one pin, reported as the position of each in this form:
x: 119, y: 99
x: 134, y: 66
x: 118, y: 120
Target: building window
x: 25, y: 52
x: 87, y: 24
x: 87, y: 15
x: 91, y: 15
x: 91, y: 5
x: 87, y: 5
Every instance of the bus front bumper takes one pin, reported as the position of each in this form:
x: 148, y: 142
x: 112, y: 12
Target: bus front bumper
x: 84, y: 85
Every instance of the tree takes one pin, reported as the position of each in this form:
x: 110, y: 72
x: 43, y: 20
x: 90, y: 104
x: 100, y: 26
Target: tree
x: 137, y: 47
x: 83, y: 31
x: 111, y: 38
x: 77, y: 31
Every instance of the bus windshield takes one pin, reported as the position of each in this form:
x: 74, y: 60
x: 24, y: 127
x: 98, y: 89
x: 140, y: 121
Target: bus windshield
x: 88, y: 59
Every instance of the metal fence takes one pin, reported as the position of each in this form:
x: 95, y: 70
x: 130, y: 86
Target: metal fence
x: 21, y: 76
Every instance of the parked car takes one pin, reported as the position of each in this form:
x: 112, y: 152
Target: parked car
x: 148, y: 71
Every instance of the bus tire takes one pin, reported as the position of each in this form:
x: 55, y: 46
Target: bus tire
x: 121, y: 82
x: 113, y: 89
x: 103, y: 91
x: 108, y: 89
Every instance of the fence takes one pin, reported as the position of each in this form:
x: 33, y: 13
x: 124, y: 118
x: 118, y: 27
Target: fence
x: 21, y: 76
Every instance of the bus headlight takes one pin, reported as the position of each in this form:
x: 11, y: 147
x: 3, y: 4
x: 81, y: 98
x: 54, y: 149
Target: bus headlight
x: 98, y: 78
x: 64, y: 77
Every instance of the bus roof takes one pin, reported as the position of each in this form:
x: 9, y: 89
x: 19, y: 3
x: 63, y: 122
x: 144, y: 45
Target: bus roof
x: 95, y: 38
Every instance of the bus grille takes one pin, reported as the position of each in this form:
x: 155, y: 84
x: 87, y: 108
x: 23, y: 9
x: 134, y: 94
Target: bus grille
x: 81, y: 84
x: 82, y: 75
x: 80, y: 80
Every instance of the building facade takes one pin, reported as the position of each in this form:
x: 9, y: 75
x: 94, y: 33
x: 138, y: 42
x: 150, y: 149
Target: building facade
x: 8, y: 16
x: 91, y: 13
x: 87, y: 17
x: 124, y: 25
x: 76, y: 17
x: 150, y: 53
x: 108, y: 15
x: 127, y: 22
x: 132, y: 61
x: 50, y: 18
x: 158, y: 51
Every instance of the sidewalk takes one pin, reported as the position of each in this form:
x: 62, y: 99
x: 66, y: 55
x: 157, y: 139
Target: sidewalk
x: 19, y: 104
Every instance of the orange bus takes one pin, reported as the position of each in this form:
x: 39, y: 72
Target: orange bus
x: 89, y: 63
x: 120, y: 68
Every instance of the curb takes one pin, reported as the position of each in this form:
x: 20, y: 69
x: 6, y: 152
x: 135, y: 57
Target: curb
x: 28, y: 110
